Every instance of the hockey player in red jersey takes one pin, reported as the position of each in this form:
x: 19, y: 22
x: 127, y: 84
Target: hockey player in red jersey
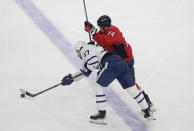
x: 111, y: 39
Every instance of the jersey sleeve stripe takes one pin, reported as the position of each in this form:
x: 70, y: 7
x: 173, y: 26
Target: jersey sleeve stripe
x: 91, y: 58
x: 93, y: 63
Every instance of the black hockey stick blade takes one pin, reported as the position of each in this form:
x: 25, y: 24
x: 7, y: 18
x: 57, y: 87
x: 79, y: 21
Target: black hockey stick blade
x: 22, y: 91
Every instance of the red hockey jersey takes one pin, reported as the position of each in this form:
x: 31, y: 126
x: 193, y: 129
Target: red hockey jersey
x: 112, y: 40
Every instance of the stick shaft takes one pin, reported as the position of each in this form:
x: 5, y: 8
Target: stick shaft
x: 85, y: 10
x: 86, y: 17
x: 47, y: 89
x: 33, y: 95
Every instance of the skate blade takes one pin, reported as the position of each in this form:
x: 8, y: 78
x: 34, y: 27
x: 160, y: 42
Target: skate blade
x: 151, y: 117
x: 101, y: 122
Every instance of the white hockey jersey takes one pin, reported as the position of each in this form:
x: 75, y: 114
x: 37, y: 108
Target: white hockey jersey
x: 92, y: 55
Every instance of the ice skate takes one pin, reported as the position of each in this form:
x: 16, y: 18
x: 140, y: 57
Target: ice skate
x: 151, y: 106
x: 148, y: 114
x: 99, y: 118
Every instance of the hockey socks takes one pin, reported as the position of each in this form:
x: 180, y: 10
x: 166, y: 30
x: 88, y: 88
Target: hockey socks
x: 137, y: 96
x: 100, y: 97
x: 99, y: 118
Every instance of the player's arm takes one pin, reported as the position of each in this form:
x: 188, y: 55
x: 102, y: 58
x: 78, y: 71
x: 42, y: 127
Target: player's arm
x: 103, y: 39
x: 100, y: 38
x: 90, y: 60
x: 70, y: 78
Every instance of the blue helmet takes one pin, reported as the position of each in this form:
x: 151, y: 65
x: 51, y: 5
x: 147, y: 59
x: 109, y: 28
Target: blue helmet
x: 104, y: 21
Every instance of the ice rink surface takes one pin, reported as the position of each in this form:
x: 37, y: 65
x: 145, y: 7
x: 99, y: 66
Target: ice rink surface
x: 160, y: 32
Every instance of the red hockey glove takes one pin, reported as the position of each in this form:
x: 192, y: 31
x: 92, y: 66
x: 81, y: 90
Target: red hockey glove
x: 90, y: 28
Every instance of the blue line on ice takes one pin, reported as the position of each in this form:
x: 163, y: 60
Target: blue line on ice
x: 65, y: 47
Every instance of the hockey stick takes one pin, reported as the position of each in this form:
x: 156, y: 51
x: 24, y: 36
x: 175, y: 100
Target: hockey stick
x: 23, y: 92
x: 86, y: 17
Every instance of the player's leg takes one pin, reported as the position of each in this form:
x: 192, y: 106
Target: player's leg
x: 104, y: 78
x: 138, y: 96
x: 120, y: 70
x: 150, y: 104
x: 101, y: 106
x: 106, y: 75
x: 132, y: 71
x: 128, y: 83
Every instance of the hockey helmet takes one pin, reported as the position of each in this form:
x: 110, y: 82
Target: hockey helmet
x: 79, y: 45
x: 104, y: 21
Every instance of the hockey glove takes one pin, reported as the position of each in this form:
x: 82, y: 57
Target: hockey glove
x: 90, y: 28
x: 85, y: 70
x: 67, y: 80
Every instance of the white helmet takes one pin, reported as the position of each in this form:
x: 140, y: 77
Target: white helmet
x: 79, y: 45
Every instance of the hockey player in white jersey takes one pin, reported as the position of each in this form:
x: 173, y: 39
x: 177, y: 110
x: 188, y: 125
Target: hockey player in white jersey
x: 111, y: 67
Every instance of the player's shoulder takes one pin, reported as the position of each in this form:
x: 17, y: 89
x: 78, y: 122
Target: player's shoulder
x: 91, y: 48
x: 113, y: 28
x: 87, y: 47
x: 99, y: 47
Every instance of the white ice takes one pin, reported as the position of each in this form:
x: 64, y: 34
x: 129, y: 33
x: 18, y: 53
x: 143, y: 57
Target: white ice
x: 161, y: 33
